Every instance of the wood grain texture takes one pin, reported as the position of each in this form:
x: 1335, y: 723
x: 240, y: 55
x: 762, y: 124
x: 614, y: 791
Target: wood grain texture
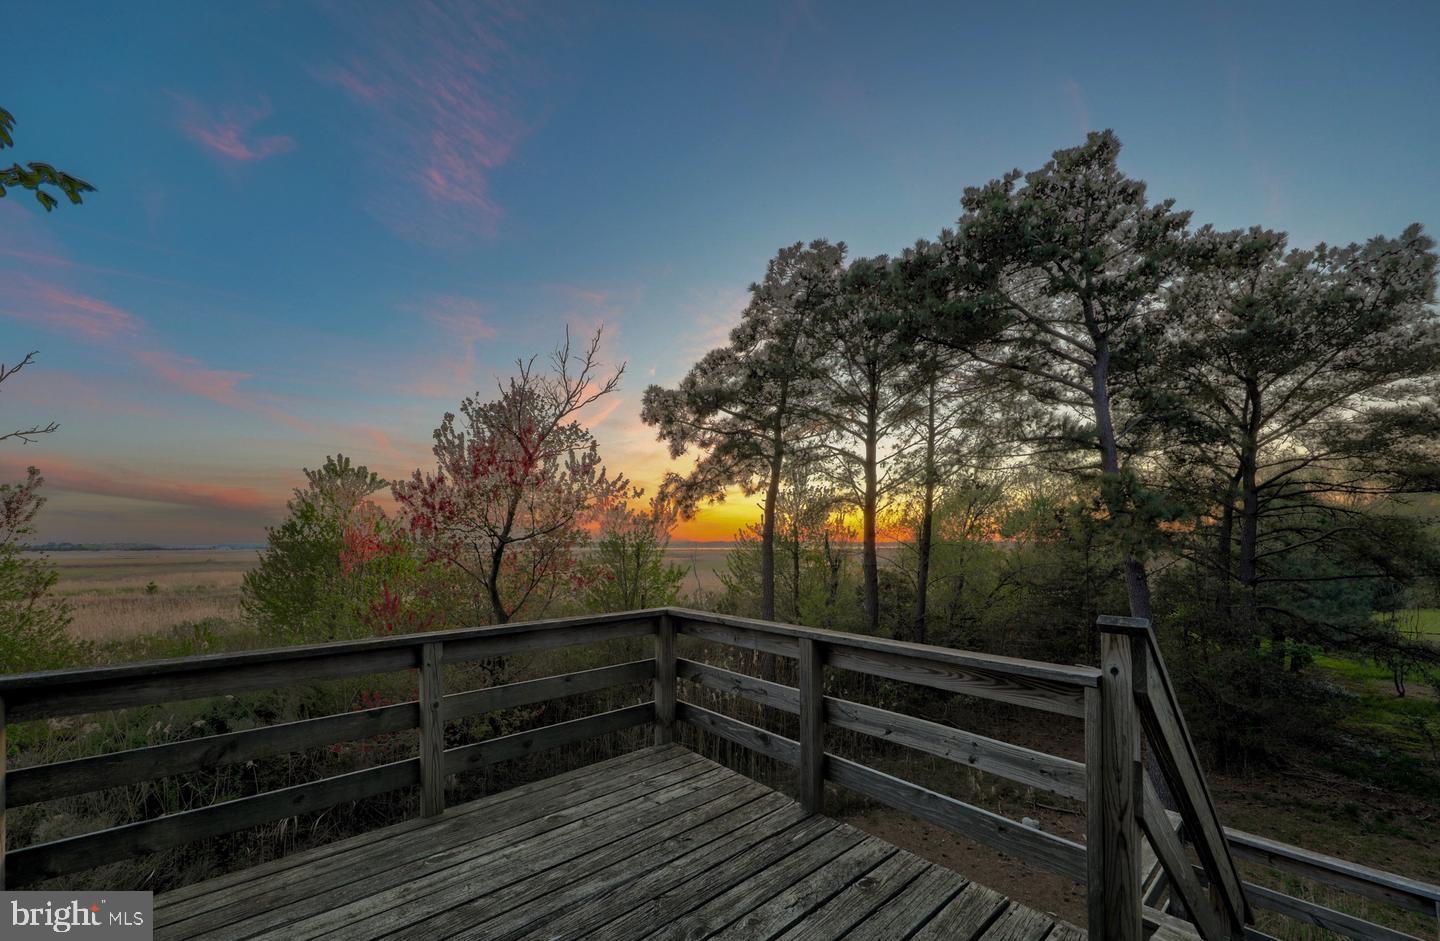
x: 861, y: 898
x: 1050, y: 673
x: 961, y: 677
x: 661, y: 843
x: 544, y: 689
x: 1022, y: 765
x: 759, y: 886
x: 915, y: 905
x: 483, y: 754
x: 798, y: 900
x: 1112, y: 760
x: 620, y: 769
x: 1174, y: 750
x: 432, y: 731
x: 1036, y: 847
x: 967, y: 915
x: 1018, y: 923
x: 1410, y: 894
x: 705, y: 887
x: 782, y: 749
x: 481, y: 847
x: 710, y: 629
x: 228, y: 899
x: 811, y: 682
x: 88, y: 689
x: 762, y: 692
x: 72, y: 854
x: 665, y: 680
x: 1307, y: 912
x: 83, y: 775
x: 1160, y: 829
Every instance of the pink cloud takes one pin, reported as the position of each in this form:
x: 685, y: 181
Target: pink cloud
x: 192, y: 376
x: 64, y: 474
x: 460, y: 317
x: 65, y: 311
x: 217, y: 385
x: 440, y: 81
x: 230, y: 134
x: 450, y: 368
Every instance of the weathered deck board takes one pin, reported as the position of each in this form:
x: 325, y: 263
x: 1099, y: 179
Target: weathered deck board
x: 660, y: 843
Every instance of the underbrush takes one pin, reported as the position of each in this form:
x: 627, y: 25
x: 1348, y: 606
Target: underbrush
x: 36, y: 743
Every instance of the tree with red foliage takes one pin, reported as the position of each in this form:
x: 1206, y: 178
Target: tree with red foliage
x: 516, y: 480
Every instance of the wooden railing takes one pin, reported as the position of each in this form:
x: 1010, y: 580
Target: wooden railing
x: 1135, y: 886
x: 1214, y: 895
x: 40, y: 696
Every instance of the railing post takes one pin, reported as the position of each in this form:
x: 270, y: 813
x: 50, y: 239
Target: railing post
x: 3, y: 746
x: 811, y: 682
x: 665, y: 680
x: 432, y: 731
x: 1113, y: 797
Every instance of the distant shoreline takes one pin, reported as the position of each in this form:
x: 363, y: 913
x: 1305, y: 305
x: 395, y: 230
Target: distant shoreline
x: 142, y: 547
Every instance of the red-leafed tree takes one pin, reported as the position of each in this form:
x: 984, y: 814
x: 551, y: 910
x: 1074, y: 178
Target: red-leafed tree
x: 516, y: 480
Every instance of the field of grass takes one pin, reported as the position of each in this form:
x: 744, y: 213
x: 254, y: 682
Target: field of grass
x: 117, y: 595
x: 111, y: 595
x: 1410, y: 723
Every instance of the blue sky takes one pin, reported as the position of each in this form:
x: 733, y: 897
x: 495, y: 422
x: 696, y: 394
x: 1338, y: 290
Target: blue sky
x: 318, y: 226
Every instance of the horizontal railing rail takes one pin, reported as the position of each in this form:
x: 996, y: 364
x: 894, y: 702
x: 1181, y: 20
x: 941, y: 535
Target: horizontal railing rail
x: 53, y: 694
x: 1053, y: 688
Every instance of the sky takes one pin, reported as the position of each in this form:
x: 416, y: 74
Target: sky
x: 319, y: 226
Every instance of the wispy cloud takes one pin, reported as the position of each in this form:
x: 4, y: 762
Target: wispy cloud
x: 64, y: 474
x: 105, y: 325
x: 218, y: 385
x: 231, y: 133
x: 458, y: 324
x: 461, y: 318
x: 439, y: 85
x: 64, y: 311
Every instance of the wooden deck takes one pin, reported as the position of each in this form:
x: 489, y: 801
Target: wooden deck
x: 659, y: 843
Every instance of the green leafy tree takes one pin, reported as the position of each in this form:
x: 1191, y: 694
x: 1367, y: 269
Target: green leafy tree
x: 626, y: 570
x: 35, y: 175
x: 298, y: 590
x: 34, y: 624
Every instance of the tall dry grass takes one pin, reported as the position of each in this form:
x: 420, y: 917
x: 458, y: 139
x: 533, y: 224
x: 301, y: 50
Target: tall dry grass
x: 116, y: 595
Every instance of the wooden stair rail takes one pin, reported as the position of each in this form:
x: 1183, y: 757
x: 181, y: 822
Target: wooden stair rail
x: 1223, y: 912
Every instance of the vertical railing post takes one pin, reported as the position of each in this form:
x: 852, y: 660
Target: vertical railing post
x: 2, y: 793
x: 432, y: 730
x: 811, y: 682
x: 1113, y: 794
x: 665, y: 680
